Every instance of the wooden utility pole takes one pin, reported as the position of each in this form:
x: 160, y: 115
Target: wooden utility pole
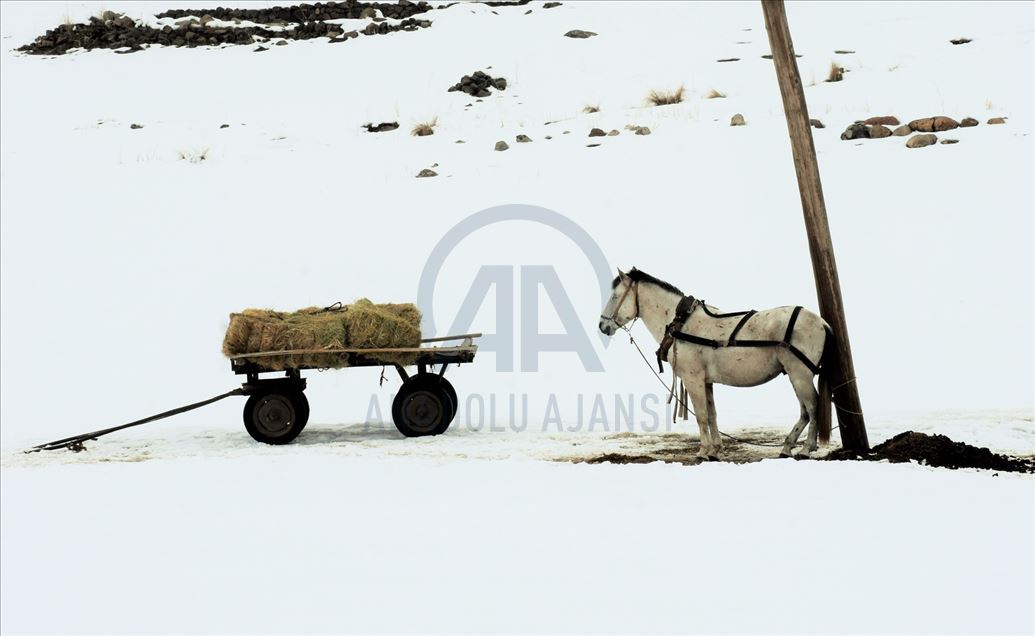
x: 828, y: 288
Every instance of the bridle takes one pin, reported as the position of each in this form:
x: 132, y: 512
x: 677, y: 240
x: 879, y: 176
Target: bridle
x: 632, y: 287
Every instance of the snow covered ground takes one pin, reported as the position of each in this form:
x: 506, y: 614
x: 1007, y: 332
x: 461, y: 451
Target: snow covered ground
x: 120, y: 262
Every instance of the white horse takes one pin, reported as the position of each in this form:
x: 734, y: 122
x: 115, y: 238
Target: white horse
x: 743, y: 349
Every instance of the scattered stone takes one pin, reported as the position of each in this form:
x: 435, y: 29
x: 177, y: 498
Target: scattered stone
x: 284, y: 42
x: 566, y: 132
x: 933, y: 124
x: 902, y: 131
x: 884, y: 120
x: 460, y: 141
x: 879, y: 131
x: 205, y: 19
x: 427, y: 172
x: 135, y: 126
x: 527, y: 12
x: 548, y: 137
x: 368, y: 13
x: 613, y: 133
x: 550, y: 5
x: 737, y: 120
x: 523, y: 139
x: 961, y: 41
x: 843, y: 52
x: 767, y: 56
x: 858, y: 130
x: 260, y: 49
x: 816, y: 123
x: 997, y: 120
x: 501, y: 146
x: 382, y: 127
x: 579, y: 34
x: 592, y: 145
x: 920, y: 141
x: 596, y: 132
x: 643, y: 130
x: 478, y: 84
x: 968, y: 122
x: 950, y: 141
x: 729, y: 59
x: 224, y: 126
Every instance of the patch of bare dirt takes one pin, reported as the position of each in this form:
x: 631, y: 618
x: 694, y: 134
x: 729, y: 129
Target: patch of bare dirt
x: 938, y: 451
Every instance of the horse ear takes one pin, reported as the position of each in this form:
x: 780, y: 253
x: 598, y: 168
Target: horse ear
x: 623, y: 276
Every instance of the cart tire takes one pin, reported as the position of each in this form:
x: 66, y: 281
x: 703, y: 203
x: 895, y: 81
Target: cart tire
x: 423, y: 406
x: 276, y: 418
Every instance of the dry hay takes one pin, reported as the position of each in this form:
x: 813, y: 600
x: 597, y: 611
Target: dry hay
x: 361, y: 325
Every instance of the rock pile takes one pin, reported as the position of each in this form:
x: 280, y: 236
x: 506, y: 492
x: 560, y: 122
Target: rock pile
x: 478, y: 84
x: 114, y: 31
x: 302, y: 13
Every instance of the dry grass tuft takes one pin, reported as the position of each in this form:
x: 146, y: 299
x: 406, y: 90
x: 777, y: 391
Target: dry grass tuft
x: 589, y: 108
x: 665, y: 98
x: 193, y: 156
x: 714, y: 94
x: 424, y: 129
x: 837, y: 73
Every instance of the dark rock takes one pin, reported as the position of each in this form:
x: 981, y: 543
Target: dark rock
x: 427, y: 172
x: 902, y: 131
x: 729, y: 59
x: 949, y: 141
x: 643, y: 130
x: 815, y: 123
x: 920, y: 141
x: 523, y: 139
x: 961, y: 41
x: 478, y: 84
x: 224, y: 126
x: 933, y: 124
x: 550, y: 5
x: 857, y: 130
x: 382, y: 127
x: 843, y: 52
x: 737, y: 120
x: 579, y: 34
x: 260, y: 49
x: 884, y: 120
x: 997, y: 120
x: 968, y: 122
x: 501, y: 146
x: 596, y: 132
x: 592, y: 145
x: 135, y: 126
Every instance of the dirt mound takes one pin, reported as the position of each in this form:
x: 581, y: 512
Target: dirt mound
x: 938, y: 451
x: 303, y: 13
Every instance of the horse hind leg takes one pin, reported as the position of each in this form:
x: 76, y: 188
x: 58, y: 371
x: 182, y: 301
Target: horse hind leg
x: 801, y: 380
x: 713, y: 425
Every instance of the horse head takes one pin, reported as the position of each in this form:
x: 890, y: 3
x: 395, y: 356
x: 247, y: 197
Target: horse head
x: 622, y: 307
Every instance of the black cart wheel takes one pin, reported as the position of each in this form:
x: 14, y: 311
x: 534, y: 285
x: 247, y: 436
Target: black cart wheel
x: 424, y: 406
x: 276, y: 418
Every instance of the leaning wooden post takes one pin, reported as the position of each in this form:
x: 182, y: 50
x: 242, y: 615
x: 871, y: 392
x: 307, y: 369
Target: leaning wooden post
x: 828, y: 288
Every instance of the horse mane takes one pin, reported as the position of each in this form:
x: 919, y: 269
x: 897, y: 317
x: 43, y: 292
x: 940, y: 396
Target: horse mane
x: 644, y: 277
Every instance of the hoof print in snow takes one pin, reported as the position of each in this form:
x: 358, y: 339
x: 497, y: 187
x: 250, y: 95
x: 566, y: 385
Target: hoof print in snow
x: 959, y: 41
x: 815, y: 123
x: 478, y: 84
x: 501, y: 146
x: 737, y: 120
x: 997, y: 120
x: 933, y: 124
x: 858, y: 130
x: 596, y: 132
x: 884, y: 120
x: 135, y: 126
x: 523, y: 139
x: 949, y: 141
x: 878, y: 131
x: 579, y: 34
x: 903, y: 131
x: 384, y: 126
x: 968, y: 122
x: 921, y: 141
x: 427, y: 172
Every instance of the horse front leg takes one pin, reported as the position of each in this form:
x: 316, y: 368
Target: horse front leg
x: 699, y: 399
x: 713, y: 424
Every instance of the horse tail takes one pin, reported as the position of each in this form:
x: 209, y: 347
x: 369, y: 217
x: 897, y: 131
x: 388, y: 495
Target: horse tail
x: 827, y: 363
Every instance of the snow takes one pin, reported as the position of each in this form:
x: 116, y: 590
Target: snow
x: 120, y: 263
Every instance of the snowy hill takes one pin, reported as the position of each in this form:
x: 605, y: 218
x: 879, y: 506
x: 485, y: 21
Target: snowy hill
x: 250, y: 180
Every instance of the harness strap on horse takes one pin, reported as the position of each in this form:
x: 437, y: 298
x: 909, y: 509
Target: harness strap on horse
x: 687, y: 306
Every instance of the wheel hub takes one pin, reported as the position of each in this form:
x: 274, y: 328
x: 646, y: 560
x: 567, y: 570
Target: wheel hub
x: 423, y: 410
x: 274, y: 415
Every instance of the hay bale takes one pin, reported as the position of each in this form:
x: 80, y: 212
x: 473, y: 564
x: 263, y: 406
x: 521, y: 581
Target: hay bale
x: 362, y: 325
